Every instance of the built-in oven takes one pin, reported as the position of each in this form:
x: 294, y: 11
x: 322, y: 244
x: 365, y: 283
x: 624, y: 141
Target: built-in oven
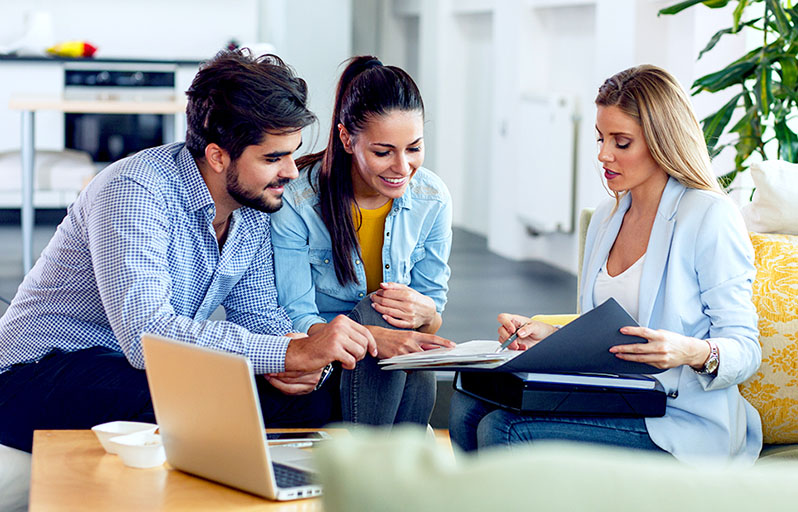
x: 109, y: 137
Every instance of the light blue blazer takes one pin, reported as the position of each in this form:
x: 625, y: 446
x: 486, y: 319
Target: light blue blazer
x: 696, y: 281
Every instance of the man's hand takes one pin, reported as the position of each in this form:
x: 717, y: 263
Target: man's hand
x: 391, y: 342
x: 342, y: 340
x: 294, y: 383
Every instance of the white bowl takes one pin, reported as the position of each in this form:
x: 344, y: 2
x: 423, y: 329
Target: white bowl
x: 139, y: 450
x: 106, y: 431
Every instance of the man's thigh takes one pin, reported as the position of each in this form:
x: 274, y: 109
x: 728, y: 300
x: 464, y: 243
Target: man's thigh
x: 74, y: 390
x: 312, y: 410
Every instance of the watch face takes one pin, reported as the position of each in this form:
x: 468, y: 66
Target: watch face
x: 711, y: 365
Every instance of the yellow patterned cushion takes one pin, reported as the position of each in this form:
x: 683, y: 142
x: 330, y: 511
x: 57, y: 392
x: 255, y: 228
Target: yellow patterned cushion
x: 773, y: 390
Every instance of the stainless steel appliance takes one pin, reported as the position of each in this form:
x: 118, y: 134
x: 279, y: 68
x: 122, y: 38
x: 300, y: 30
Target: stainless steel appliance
x: 109, y: 137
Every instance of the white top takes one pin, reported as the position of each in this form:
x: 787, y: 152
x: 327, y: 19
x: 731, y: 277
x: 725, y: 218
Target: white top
x: 625, y: 287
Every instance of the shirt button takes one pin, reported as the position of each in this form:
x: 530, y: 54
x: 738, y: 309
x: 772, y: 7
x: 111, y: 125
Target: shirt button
x: 387, y: 265
x: 326, y: 260
x: 357, y: 262
x: 360, y: 295
x: 388, y: 233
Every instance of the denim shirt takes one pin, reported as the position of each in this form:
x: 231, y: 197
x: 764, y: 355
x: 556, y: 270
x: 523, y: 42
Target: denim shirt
x: 416, y: 243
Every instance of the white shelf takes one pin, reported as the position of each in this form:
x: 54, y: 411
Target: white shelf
x: 41, y: 198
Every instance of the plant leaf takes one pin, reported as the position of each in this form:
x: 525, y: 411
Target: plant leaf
x: 783, y: 25
x: 720, y: 33
x: 738, y: 13
x: 732, y: 74
x: 717, y: 122
x: 788, y: 142
x: 726, y: 180
x: 673, y: 9
x: 764, y: 89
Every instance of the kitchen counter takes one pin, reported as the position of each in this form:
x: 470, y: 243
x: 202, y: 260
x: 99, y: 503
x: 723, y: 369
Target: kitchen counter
x: 98, y: 60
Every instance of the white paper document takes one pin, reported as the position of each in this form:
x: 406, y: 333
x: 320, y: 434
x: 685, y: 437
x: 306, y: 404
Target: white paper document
x: 585, y: 379
x: 471, y: 354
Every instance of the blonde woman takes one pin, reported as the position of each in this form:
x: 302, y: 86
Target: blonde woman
x: 673, y: 250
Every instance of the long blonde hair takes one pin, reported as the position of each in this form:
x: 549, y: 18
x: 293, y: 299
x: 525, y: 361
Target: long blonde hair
x: 654, y: 98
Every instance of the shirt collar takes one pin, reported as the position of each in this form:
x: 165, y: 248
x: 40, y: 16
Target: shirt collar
x: 197, y: 193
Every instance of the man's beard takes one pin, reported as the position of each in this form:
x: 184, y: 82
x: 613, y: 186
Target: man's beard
x: 249, y: 198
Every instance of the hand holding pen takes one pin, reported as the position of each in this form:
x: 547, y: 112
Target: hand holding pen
x: 517, y: 332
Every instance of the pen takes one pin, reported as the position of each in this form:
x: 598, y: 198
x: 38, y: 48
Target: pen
x: 511, y: 339
x: 325, y: 372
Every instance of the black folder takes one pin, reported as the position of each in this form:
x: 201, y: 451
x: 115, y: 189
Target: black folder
x: 582, y: 346
x: 600, y: 384
x: 607, y: 397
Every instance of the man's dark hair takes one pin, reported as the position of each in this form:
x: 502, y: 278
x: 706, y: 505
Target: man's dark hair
x: 236, y: 99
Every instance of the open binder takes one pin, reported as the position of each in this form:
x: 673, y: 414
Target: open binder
x: 581, y: 346
x: 570, y: 372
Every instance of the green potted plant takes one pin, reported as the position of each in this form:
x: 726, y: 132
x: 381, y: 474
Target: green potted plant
x: 764, y: 79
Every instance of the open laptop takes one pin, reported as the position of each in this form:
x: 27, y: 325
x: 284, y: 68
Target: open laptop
x: 207, y: 408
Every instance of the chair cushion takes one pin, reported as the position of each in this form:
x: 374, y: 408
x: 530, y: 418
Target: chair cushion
x: 773, y: 390
x: 370, y: 470
x: 14, y: 479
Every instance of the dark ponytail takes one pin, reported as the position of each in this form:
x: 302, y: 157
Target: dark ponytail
x: 366, y: 89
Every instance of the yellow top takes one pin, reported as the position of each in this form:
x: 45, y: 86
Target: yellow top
x: 370, y: 235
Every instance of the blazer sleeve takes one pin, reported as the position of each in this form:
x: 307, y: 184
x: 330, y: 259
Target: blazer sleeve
x: 725, y: 269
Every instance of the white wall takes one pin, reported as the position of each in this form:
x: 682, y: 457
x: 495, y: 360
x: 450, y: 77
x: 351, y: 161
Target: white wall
x: 478, y: 58
x: 172, y: 29
x: 315, y: 37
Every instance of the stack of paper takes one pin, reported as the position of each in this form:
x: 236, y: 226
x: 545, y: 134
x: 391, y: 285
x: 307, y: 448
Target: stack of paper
x: 469, y: 354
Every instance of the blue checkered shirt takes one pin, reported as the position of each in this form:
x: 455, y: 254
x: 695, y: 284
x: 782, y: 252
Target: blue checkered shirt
x: 137, y: 253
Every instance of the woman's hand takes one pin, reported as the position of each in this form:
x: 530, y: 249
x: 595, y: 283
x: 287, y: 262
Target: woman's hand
x: 391, y: 342
x: 404, y: 307
x: 665, y: 349
x: 529, y: 331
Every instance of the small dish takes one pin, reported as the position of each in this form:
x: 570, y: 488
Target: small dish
x: 140, y: 449
x: 106, y: 431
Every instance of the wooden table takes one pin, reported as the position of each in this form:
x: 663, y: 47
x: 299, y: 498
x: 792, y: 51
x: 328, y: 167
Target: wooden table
x: 71, y: 471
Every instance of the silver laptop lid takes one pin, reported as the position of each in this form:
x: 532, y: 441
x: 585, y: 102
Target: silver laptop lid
x: 207, y: 408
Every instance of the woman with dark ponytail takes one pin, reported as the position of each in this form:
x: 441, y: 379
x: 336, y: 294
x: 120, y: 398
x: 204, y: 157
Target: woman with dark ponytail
x: 365, y: 231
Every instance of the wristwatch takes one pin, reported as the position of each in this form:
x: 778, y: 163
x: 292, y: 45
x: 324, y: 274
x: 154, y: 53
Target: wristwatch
x: 712, y: 362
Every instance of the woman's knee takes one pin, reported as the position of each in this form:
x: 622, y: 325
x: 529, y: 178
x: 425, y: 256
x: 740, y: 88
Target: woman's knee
x: 498, y: 428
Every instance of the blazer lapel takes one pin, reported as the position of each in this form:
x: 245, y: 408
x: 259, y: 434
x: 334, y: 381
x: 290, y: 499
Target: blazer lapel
x: 604, y: 241
x: 658, y: 249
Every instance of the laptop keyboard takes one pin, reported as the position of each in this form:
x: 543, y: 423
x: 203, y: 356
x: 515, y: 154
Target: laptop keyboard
x: 286, y: 476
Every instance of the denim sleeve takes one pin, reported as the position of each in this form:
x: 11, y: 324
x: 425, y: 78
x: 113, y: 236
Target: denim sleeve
x: 430, y: 275
x: 128, y: 233
x: 295, y: 289
x: 726, y: 291
x: 252, y: 303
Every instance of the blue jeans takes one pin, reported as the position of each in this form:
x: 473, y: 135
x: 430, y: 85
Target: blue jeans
x: 474, y: 424
x: 77, y: 390
x: 373, y: 396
